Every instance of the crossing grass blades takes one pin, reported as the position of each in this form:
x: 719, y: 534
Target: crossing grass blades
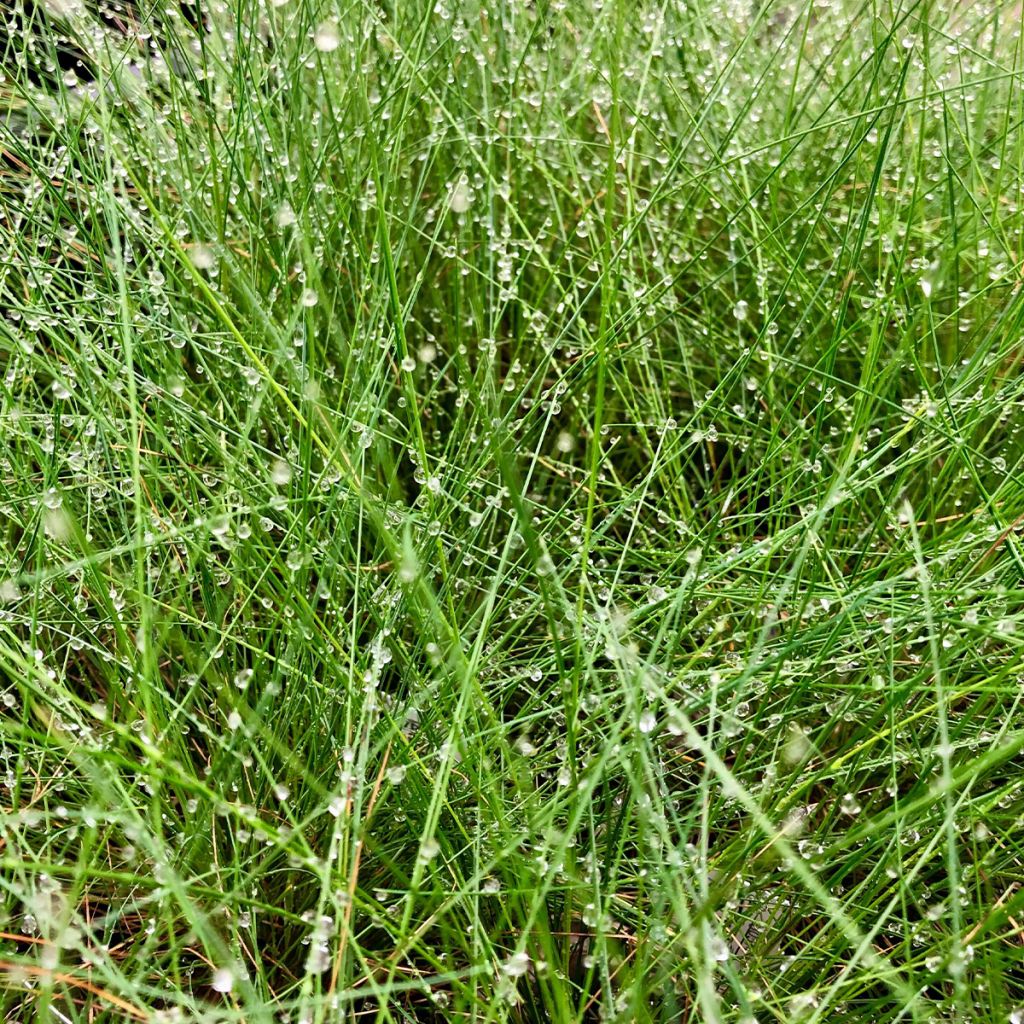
x: 511, y: 512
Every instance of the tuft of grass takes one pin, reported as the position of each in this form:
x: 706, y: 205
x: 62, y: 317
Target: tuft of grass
x: 511, y: 512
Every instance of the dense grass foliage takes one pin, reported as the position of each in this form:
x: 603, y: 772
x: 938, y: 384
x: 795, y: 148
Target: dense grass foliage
x: 511, y: 511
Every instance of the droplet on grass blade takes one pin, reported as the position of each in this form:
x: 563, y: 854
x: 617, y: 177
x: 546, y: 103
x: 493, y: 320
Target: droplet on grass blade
x: 319, y: 958
x: 461, y: 198
x: 56, y: 524
x: 223, y: 979
x: 797, y: 745
x: 203, y: 257
x: 65, y: 8
x: 326, y: 38
x: 565, y: 442
x: 280, y: 473
x: 409, y: 567
x: 516, y: 965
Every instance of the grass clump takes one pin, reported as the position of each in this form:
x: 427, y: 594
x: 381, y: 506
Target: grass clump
x: 511, y: 512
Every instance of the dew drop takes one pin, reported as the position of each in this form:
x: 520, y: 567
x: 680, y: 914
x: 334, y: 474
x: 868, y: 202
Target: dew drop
x: 326, y: 38
x: 516, y: 965
x: 203, y: 257
x: 223, y: 979
x: 280, y: 473
x: 461, y: 198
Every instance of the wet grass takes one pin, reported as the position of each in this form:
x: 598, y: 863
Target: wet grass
x: 511, y: 512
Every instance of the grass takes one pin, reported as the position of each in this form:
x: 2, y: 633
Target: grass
x: 511, y: 512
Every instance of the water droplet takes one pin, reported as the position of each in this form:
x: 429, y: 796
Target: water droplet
x: 280, y: 473
x: 525, y: 747
x: 461, y: 198
x: 848, y: 805
x: 409, y: 568
x: 516, y: 965
x: 223, y: 979
x: 565, y: 442
x: 326, y: 38
x: 203, y: 257
x: 319, y: 958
